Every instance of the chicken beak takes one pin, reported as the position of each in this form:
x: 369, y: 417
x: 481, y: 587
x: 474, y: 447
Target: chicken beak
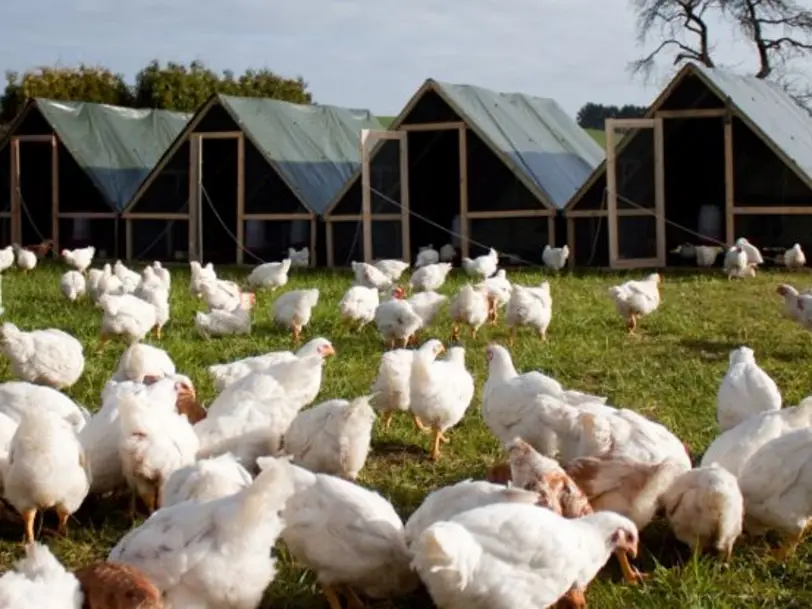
x: 440, y: 349
x: 631, y: 550
x: 327, y: 351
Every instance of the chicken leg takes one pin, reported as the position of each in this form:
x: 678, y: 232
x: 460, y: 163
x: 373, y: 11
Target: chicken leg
x: 788, y: 547
x: 331, y: 596
x: 297, y: 334
x: 512, y: 335
x: 103, y: 341
x: 630, y: 574
x: 387, y: 419
x: 353, y: 602
x: 63, y: 516
x: 435, y: 451
x: 455, y: 333
x: 419, y: 424
x: 156, y: 332
x: 631, y: 323
x: 28, y: 519
x: 473, y: 332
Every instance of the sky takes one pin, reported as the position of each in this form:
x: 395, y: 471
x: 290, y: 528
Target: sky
x: 370, y: 54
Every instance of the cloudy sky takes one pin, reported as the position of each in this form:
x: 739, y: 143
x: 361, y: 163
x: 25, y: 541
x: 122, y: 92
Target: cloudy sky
x: 358, y: 53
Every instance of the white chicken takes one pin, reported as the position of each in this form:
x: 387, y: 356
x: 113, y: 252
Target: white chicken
x: 705, y: 508
x: 746, y: 390
x: 46, y: 470
x: 206, y: 480
x: 6, y: 258
x: 396, y: 320
x: 224, y: 375
x: 271, y: 275
x: 39, y: 581
x: 429, y: 277
x: 735, y: 263
x: 471, y: 307
x: 426, y: 255
x: 213, y: 554
x: 26, y: 259
x: 45, y: 357
x: 16, y: 397
x: 299, y: 258
x: 791, y: 295
x: 294, y: 309
x: 777, y: 488
x: 529, y: 306
x: 80, y: 258
x: 392, y: 268
x: 706, y: 255
x: 499, y: 290
x: 358, y: 305
x: 481, y: 267
x: 200, y: 274
x: 154, y: 292
x: 391, y: 390
x: 140, y: 361
x: 154, y: 442
x: 163, y: 274
x: 127, y: 316
x: 220, y: 294
x: 753, y: 253
x: 555, y: 258
x: 466, y: 561
x: 129, y: 278
x: 219, y: 322
x: 351, y: 537
x: 794, y: 257
x: 332, y: 437
x: 106, y: 283
x: 448, y: 501
x: 440, y: 390
x: 73, y: 285
x: 370, y: 276
x: 447, y: 253
x: 734, y: 448
x: 636, y: 299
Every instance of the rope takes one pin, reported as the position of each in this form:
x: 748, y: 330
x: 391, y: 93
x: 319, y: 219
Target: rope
x: 225, y: 227
x: 29, y: 216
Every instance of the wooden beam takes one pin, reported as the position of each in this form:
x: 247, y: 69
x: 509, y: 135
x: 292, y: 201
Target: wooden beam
x: 30, y: 139
x: 636, y: 213
x: 16, y: 219
x: 611, y: 191
x: 219, y: 135
x: 629, y: 123
x: 128, y: 237
x: 366, y: 199
x: 692, y: 113
x: 405, y: 204
x: 586, y: 213
x: 195, y: 160
x: 55, y: 195
x: 510, y: 214
x: 450, y: 126
x: 551, y: 231
x: 240, y: 198
x: 331, y: 257
x: 279, y: 217
x: 313, y: 237
x: 571, y: 242
x: 730, y: 180
x: 90, y: 215
x: 153, y: 216
x: 465, y: 225
x: 659, y: 189
x: 345, y: 218
x: 778, y: 210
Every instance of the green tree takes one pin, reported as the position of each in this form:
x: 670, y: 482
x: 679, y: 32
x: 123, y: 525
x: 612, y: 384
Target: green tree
x: 82, y: 83
x: 178, y: 87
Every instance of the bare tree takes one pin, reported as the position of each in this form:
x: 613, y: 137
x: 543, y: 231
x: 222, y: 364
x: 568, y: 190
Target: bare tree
x: 780, y: 31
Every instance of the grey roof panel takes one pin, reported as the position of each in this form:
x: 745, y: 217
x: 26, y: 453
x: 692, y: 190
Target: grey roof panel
x: 315, y: 148
x: 535, y: 133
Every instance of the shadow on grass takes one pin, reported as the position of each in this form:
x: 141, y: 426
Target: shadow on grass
x: 718, y: 349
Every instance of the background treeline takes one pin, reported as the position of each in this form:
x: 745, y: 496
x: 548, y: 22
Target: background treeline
x: 171, y: 86
x: 592, y: 116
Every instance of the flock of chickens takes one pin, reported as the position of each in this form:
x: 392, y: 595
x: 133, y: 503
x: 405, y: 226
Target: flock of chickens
x: 222, y: 484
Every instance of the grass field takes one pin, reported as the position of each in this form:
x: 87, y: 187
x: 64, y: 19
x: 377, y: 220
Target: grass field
x: 670, y: 373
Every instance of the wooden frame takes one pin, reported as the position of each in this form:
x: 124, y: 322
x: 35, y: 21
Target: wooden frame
x: 658, y: 211
x: 367, y: 217
x: 16, y: 212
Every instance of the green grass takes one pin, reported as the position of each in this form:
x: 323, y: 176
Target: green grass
x: 599, y: 135
x: 671, y: 373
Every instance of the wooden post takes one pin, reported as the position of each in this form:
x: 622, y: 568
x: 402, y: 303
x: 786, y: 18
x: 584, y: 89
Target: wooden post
x: 314, y: 225
x: 571, y: 242
x: 328, y: 230
x: 465, y: 248
x: 366, y: 198
x: 128, y: 235
x: 55, y: 195
x: 659, y: 188
x: 551, y: 230
x: 730, y: 179
x: 16, y: 220
x: 611, y: 191
x: 240, y: 196
x: 195, y: 157
x: 405, y: 215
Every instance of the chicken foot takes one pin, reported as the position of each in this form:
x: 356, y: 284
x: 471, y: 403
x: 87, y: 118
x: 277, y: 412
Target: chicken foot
x: 63, y: 516
x: 630, y: 573
x: 28, y: 519
x: 387, y: 419
x: 156, y: 332
x: 512, y: 335
x: 438, y: 437
x: 493, y: 314
x: 103, y: 341
x: 353, y: 602
x: 297, y: 334
x: 420, y: 424
x: 631, y: 323
x: 786, y: 550
x: 455, y: 333
x: 332, y: 596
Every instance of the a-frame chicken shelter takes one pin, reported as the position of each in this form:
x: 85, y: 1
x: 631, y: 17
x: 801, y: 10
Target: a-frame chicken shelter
x: 465, y: 165
x: 68, y: 168
x: 717, y: 156
x: 246, y: 179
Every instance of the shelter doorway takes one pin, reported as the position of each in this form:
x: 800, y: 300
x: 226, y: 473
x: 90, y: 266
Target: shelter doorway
x: 635, y: 193
x: 435, y: 185
x: 32, y: 188
x: 220, y: 190
x: 385, y: 195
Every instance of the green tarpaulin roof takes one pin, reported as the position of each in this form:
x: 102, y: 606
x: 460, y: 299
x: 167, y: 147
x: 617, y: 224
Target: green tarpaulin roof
x: 535, y: 133
x: 117, y: 147
x: 316, y: 149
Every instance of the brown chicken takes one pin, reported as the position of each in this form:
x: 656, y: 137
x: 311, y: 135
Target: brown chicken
x: 109, y: 585
x: 626, y: 486
x: 40, y: 249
